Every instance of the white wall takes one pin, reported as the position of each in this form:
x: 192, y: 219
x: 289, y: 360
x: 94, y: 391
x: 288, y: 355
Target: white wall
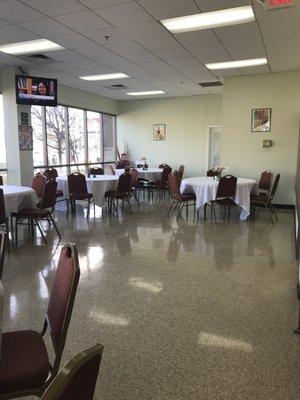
x: 79, y: 98
x: 242, y: 149
x: 186, y: 119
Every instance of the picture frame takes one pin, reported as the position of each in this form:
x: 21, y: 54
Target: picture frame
x: 261, y: 120
x: 159, y: 132
x: 25, y: 137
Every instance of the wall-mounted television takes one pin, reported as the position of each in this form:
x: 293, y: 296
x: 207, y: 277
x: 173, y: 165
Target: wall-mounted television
x: 35, y: 90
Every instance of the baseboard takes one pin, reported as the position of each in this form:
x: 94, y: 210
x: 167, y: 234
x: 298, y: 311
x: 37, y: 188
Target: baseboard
x: 284, y: 206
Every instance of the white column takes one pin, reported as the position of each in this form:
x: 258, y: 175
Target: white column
x: 19, y: 162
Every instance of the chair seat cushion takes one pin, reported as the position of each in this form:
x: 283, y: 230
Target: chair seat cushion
x: 33, y: 213
x: 24, y: 362
x: 184, y: 197
x: 262, y: 198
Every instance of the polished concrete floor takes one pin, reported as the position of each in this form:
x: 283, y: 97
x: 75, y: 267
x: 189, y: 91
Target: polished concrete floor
x: 185, y: 310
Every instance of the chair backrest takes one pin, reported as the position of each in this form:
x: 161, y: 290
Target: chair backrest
x: 96, y: 171
x: 265, y: 181
x: 77, y: 183
x: 174, y: 183
x: 51, y: 173
x: 49, y: 194
x: 134, y: 177
x: 124, y: 184
x: 38, y: 183
x: 227, y: 186
x: 1, y: 180
x: 62, y: 300
x: 2, y: 208
x: 163, y: 165
x: 3, y: 239
x: 77, y: 380
x: 165, y: 175
x: 211, y: 172
x: 274, y: 187
x: 181, y: 171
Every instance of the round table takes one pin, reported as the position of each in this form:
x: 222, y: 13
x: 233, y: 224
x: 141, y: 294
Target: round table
x: 205, y: 189
x: 97, y: 186
x: 18, y: 197
x: 152, y: 174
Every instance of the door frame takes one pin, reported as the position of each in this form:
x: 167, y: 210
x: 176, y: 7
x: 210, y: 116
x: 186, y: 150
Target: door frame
x: 209, y: 127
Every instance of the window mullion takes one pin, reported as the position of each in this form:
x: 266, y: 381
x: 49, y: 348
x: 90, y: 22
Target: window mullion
x: 86, y: 140
x: 66, y: 121
x: 44, y: 136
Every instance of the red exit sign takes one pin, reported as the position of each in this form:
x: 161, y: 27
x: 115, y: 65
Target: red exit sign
x: 275, y: 4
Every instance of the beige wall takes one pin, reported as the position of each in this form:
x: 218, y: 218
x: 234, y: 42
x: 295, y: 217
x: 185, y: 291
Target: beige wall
x: 79, y: 98
x: 186, y: 119
x: 242, y: 150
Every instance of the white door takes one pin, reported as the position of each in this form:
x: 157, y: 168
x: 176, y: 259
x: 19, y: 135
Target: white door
x: 214, y: 146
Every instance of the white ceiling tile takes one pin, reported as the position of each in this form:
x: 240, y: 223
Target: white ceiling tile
x: 124, y: 14
x: 204, y: 45
x: 14, y: 11
x: 260, y: 69
x: 142, y: 56
x: 125, y: 48
x: 285, y: 27
x: 55, y: 7
x: 73, y: 41
x: 227, y: 72
x: 93, y: 4
x: 46, y: 27
x: 211, y: 5
x: 12, y: 33
x: 10, y: 60
x: 3, y: 23
x: 151, y: 31
x: 169, y: 8
x: 107, y: 35
x: 83, y: 21
x: 235, y: 37
x: 276, y: 15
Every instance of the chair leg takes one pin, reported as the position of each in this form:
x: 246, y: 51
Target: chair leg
x: 129, y: 205
x: 67, y: 203
x: 55, y: 226
x: 41, y: 230
x: 170, y: 208
x: 7, y: 231
x: 16, y: 231
x: 180, y: 211
x: 136, y: 199
x: 213, y: 209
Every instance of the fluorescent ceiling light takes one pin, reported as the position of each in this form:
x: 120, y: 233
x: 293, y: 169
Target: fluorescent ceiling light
x: 104, y: 77
x: 30, y: 47
x: 209, y: 20
x: 147, y: 93
x: 237, y: 64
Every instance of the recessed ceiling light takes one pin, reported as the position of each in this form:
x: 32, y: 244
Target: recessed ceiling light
x: 30, y: 47
x: 209, y: 20
x: 104, y: 77
x: 237, y: 64
x: 147, y: 93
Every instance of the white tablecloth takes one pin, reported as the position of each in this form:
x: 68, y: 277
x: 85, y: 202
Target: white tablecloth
x: 18, y: 197
x: 152, y: 174
x: 97, y: 186
x: 205, y: 189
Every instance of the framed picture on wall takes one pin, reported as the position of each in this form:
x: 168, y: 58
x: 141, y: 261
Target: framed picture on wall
x: 261, y: 120
x: 25, y: 137
x: 159, y: 132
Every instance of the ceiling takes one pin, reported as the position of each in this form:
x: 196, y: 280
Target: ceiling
x: 104, y: 36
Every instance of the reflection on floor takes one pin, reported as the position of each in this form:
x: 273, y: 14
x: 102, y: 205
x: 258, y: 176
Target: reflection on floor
x: 184, y: 310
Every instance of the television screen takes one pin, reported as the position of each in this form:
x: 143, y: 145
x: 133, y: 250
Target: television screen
x: 34, y: 90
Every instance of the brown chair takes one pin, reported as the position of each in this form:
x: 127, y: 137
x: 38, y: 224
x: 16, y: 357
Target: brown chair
x: 77, y: 380
x: 212, y: 173
x: 265, y: 181
x: 163, y: 165
x: 122, y: 193
x: 43, y: 212
x: 162, y: 186
x: 25, y: 368
x: 96, y: 171
x: 3, y: 217
x: 51, y: 173
x: 3, y: 239
x: 38, y: 183
x: 265, y: 200
x: 134, y: 173
x: 1, y: 180
x: 181, y: 171
x: 180, y: 200
x: 224, y: 197
x: 78, y: 191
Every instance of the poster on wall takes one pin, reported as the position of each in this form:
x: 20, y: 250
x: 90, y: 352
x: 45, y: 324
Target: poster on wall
x: 261, y: 120
x: 25, y: 137
x: 159, y: 132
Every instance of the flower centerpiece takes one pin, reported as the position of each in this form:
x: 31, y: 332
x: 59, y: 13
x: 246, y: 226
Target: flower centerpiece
x: 218, y: 170
x: 145, y: 166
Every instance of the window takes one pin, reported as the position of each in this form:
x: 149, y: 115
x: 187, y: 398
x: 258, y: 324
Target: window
x: 71, y: 138
x: 2, y: 138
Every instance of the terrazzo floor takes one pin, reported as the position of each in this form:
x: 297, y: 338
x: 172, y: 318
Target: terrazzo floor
x: 185, y: 310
